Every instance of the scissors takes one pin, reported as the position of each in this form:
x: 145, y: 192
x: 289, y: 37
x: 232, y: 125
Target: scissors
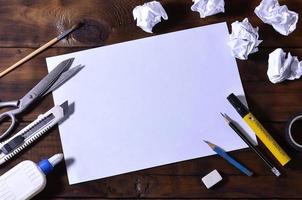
x: 59, y: 75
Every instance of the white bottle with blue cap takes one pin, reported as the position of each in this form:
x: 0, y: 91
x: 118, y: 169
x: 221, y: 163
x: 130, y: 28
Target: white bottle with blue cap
x: 26, y: 179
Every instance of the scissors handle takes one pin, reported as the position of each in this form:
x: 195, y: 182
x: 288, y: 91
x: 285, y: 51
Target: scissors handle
x: 9, y: 104
x: 12, y: 125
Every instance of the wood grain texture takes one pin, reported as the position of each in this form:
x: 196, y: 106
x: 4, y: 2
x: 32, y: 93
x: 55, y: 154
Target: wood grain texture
x: 111, y: 21
x: 27, y: 24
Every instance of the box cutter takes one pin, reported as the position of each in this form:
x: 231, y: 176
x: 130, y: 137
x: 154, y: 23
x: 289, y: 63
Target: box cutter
x: 29, y: 134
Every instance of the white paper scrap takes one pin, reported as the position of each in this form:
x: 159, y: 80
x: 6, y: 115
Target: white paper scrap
x: 283, y: 20
x: 208, y: 7
x: 243, y: 39
x: 148, y: 15
x: 149, y: 102
x: 283, y: 67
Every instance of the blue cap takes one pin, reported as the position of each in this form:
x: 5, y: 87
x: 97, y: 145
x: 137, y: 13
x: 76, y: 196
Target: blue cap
x: 45, y: 166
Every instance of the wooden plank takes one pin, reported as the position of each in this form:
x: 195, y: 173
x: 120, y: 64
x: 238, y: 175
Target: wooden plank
x: 255, y: 68
x: 251, y: 70
x: 180, y: 180
x: 186, y: 175
x: 111, y: 21
x: 268, y: 101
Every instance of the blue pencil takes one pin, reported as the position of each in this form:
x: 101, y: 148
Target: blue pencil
x: 231, y: 160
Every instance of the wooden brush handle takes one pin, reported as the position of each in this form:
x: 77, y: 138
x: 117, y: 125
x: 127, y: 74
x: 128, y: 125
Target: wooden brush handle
x: 29, y: 56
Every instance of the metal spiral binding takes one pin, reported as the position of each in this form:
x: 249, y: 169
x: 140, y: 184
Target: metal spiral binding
x: 31, y: 140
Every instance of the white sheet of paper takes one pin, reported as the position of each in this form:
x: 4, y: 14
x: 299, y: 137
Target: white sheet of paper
x: 149, y: 102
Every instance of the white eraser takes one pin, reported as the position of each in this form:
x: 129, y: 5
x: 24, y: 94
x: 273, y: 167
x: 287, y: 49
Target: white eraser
x: 211, y: 179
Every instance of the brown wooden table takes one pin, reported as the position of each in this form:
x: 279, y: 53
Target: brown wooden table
x: 27, y: 24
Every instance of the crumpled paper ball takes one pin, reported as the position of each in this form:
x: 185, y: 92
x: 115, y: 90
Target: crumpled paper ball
x: 243, y: 39
x: 283, y: 67
x: 283, y: 20
x: 148, y: 15
x: 208, y: 7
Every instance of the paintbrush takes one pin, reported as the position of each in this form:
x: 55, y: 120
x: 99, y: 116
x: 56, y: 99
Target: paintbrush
x: 42, y: 48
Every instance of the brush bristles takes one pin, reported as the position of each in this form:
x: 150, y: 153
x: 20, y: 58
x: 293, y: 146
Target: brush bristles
x: 78, y: 25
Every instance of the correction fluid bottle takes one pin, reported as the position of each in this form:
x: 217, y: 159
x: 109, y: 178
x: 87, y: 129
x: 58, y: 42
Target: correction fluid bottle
x: 26, y: 179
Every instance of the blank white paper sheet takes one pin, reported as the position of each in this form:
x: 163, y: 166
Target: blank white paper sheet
x: 149, y: 102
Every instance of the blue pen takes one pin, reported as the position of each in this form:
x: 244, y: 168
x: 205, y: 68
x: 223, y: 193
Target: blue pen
x: 231, y: 160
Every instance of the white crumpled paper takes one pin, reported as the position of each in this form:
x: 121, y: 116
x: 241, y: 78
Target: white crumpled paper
x: 283, y: 20
x: 208, y: 7
x: 148, y: 15
x: 283, y: 67
x: 243, y: 39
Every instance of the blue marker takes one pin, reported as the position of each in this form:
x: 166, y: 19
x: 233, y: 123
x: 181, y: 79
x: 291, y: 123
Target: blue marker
x: 231, y: 160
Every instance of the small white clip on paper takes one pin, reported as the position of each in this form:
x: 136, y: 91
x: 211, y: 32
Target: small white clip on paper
x: 283, y: 67
x: 148, y: 15
x: 283, y: 20
x: 208, y: 7
x: 243, y: 39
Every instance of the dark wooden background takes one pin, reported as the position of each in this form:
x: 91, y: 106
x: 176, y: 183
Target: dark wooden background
x: 27, y: 24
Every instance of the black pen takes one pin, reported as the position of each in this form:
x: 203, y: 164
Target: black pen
x: 248, y: 142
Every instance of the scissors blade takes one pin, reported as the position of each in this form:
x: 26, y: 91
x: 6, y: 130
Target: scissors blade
x: 65, y: 76
x: 45, y: 83
x: 51, y: 78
